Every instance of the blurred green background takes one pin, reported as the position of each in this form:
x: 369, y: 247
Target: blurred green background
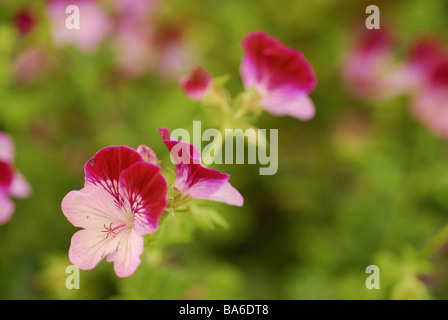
x: 360, y: 184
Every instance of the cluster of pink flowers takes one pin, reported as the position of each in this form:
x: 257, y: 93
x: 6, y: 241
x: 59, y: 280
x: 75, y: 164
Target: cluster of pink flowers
x: 372, y: 70
x: 129, y: 29
x: 129, y: 26
x: 280, y: 75
x: 125, y: 193
x: 124, y: 196
x: 12, y: 182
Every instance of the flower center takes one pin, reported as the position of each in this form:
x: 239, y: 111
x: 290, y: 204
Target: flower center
x: 112, y: 231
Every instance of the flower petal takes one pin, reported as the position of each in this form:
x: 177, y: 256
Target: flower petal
x: 196, y: 84
x: 127, y: 256
x: 93, y: 207
x: 105, y: 167
x: 226, y: 194
x: 145, y: 189
x: 20, y: 188
x: 94, y: 23
x: 6, y: 177
x: 7, y: 150
x: 196, y: 180
x: 270, y: 65
x: 148, y: 154
x: 181, y: 152
x: 6, y: 209
x: 290, y: 104
x: 89, y: 246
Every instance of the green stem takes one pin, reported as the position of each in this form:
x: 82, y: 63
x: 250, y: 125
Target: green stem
x: 249, y: 101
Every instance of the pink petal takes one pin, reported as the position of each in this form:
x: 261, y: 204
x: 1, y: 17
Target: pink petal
x: 289, y: 104
x: 148, y: 154
x: 181, y: 152
x: 269, y: 65
x: 145, y: 189
x: 424, y: 54
x: 196, y: 180
x: 7, y: 150
x: 127, y: 256
x: 95, y: 25
x: 20, y: 188
x: 89, y: 246
x: 196, y: 84
x: 93, y: 207
x: 6, y: 209
x: 226, y: 193
x: 106, y: 166
x: 430, y: 107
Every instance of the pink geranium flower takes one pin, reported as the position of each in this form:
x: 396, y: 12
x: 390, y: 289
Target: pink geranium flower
x: 12, y: 183
x: 370, y: 69
x: 195, y: 180
x: 430, y: 102
x: 122, y: 200
x: 24, y: 21
x: 94, y: 26
x: 424, y: 56
x: 282, y: 76
x: 196, y: 84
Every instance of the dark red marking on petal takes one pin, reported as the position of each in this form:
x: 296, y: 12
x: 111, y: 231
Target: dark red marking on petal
x: 106, y: 166
x: 6, y: 176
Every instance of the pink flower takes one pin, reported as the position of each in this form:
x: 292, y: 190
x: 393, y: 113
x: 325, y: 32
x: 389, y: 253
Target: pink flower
x: 424, y: 56
x: 174, y: 55
x: 430, y: 103
x: 282, y: 76
x: 196, y: 84
x: 195, y: 180
x: 94, y: 24
x: 24, y: 21
x: 122, y: 200
x: 370, y: 70
x: 134, y: 9
x: 12, y: 183
x: 132, y: 39
x: 28, y: 65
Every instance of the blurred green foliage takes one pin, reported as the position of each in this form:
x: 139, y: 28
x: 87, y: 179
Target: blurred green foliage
x: 360, y: 184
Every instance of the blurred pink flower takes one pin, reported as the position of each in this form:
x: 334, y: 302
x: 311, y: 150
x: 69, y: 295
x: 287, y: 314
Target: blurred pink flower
x: 195, y: 180
x: 95, y: 25
x: 370, y: 69
x: 141, y: 44
x: 12, y: 183
x: 174, y: 55
x: 29, y: 64
x: 196, y: 84
x: 122, y: 200
x: 132, y: 46
x: 24, y: 21
x: 282, y: 76
x: 424, y: 55
x: 429, y: 104
x: 134, y: 9
x: 133, y: 36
